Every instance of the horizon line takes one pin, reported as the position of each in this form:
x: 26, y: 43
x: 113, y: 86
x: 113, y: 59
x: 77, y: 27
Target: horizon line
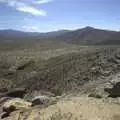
x: 57, y: 30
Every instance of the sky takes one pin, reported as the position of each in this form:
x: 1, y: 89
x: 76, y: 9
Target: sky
x: 52, y: 15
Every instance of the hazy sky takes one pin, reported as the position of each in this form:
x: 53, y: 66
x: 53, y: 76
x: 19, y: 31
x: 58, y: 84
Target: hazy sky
x: 49, y: 15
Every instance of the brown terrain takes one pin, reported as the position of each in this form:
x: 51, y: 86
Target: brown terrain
x: 56, y: 80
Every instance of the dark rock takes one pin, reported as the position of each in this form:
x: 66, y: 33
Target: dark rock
x: 9, y: 109
x: 19, y: 93
x: 37, y: 102
x: 3, y: 90
x: 113, y: 90
x: 40, y: 100
x: 5, y: 115
x: 15, y: 104
x: 94, y: 95
x: 24, y: 65
x: 20, y: 66
x: 117, y: 56
x: 2, y: 101
x: 12, y: 105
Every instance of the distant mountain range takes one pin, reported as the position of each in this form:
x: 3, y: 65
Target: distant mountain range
x: 87, y: 35
x: 90, y: 35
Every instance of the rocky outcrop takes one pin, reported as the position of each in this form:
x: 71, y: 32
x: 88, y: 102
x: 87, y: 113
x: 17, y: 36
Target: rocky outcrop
x: 41, y: 100
x: 13, y: 105
x: 95, y: 95
x: 113, y: 87
x: 3, y: 90
x: 21, y: 65
x: 16, y: 93
x: 113, y: 91
x: 17, y: 103
x: 74, y: 108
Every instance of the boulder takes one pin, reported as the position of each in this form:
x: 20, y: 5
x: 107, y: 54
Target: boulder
x: 3, y: 90
x: 20, y: 65
x: 117, y: 56
x: 4, y: 115
x: 15, y: 104
x: 95, y: 95
x: 41, y: 100
x: 18, y: 93
x: 9, y: 109
x: 2, y: 101
x: 113, y: 91
x: 113, y: 88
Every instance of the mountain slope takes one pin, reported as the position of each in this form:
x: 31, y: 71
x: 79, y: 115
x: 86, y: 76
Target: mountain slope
x: 54, y: 33
x: 11, y: 35
x: 89, y: 35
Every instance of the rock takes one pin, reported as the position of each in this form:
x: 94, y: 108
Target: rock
x: 117, y: 56
x: 21, y: 65
x: 28, y: 97
x: 113, y: 88
x: 15, y: 104
x: 18, y: 93
x: 2, y: 90
x: 2, y: 101
x: 41, y: 100
x: 113, y: 91
x: 95, y: 95
x: 5, y: 115
x: 43, y: 93
x: 9, y: 109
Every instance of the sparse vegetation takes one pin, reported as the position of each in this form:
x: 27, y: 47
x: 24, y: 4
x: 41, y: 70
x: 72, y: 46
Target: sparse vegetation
x: 63, y: 69
x: 95, y: 95
x: 59, y: 115
x: 62, y: 72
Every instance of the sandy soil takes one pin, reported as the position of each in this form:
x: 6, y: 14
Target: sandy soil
x: 76, y: 108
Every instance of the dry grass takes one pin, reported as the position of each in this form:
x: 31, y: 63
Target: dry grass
x: 62, y: 69
x: 116, y: 117
x: 75, y: 108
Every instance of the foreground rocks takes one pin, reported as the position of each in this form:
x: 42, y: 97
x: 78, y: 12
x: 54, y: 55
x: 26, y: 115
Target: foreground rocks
x: 19, y: 100
x: 74, y: 108
x: 13, y: 105
x: 113, y: 87
x: 16, y: 93
x: 95, y: 95
x: 17, y: 103
x: 40, y: 100
x: 113, y: 91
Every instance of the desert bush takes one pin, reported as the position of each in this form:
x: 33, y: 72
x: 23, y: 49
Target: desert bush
x: 59, y: 115
x: 95, y: 95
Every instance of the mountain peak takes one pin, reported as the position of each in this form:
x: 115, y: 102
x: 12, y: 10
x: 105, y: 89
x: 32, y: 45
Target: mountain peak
x: 88, y: 28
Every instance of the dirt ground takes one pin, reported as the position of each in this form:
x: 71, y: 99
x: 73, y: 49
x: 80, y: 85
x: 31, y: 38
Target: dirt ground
x: 75, y: 108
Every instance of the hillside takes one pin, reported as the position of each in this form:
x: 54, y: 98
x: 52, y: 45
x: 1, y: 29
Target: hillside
x: 14, y: 35
x: 69, y: 72
x: 90, y: 36
x: 87, y: 35
x: 60, y: 70
x: 47, y: 67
